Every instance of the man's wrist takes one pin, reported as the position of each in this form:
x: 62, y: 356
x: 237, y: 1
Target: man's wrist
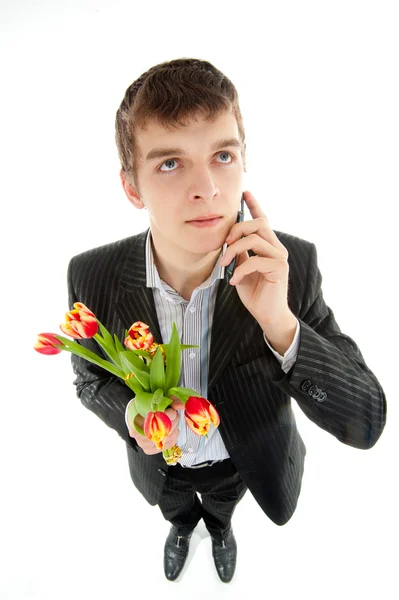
x: 281, y: 336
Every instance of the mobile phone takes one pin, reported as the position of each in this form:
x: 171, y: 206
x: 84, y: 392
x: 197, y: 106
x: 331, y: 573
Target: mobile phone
x: 240, y: 217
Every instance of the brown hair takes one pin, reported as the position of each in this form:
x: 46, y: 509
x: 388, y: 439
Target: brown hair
x: 171, y: 93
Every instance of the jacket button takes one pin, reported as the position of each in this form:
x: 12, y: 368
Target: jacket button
x: 162, y: 472
x: 312, y: 391
x: 306, y: 385
x: 322, y: 397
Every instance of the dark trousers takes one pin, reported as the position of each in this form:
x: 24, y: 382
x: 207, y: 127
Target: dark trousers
x: 220, y: 487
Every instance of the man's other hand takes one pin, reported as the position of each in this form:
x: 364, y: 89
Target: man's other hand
x: 147, y: 445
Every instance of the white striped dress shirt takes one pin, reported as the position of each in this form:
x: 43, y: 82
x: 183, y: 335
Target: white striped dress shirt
x: 193, y: 320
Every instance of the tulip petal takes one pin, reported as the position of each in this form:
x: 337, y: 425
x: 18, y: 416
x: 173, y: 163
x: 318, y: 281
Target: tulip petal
x: 80, y: 323
x: 81, y: 307
x: 45, y: 344
x: 157, y: 426
x: 196, y: 427
x: 199, y: 413
x: 215, y: 418
x: 67, y: 329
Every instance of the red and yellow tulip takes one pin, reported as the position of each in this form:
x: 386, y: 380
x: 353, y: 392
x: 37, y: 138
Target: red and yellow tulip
x: 45, y: 344
x: 139, y: 337
x: 199, y: 413
x: 80, y: 323
x: 157, y: 426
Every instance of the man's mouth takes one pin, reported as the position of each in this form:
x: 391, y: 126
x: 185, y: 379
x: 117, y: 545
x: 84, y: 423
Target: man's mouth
x: 205, y: 218
x: 206, y: 222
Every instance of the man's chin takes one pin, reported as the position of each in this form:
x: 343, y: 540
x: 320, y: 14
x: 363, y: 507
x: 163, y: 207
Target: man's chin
x: 202, y: 250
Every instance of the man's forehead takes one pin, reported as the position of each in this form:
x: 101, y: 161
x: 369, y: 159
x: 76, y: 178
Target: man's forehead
x: 223, y: 131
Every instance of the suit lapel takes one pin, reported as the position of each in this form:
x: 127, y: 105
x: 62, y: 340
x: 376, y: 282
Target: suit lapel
x: 136, y: 303
x: 228, y: 326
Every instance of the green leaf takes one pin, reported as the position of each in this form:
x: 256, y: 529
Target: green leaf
x: 109, y: 351
x: 182, y: 346
x: 157, y: 372
x: 75, y: 348
x: 173, y: 359
x: 164, y: 403
x: 106, y: 335
x: 158, y: 394
x: 143, y: 403
x: 182, y: 393
x: 134, y: 384
x: 133, y: 359
x: 156, y: 398
x: 142, y: 377
x: 118, y: 345
x: 131, y: 413
x: 145, y: 353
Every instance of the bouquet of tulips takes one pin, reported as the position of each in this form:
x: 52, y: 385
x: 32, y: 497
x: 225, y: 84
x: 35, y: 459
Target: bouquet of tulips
x: 150, y: 370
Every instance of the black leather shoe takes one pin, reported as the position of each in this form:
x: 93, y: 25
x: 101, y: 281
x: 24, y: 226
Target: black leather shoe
x: 225, y: 556
x: 175, y: 554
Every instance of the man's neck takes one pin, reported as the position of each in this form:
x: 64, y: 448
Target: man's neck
x: 184, y: 280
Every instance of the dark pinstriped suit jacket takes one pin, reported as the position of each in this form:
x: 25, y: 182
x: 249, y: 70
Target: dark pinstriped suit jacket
x: 329, y: 380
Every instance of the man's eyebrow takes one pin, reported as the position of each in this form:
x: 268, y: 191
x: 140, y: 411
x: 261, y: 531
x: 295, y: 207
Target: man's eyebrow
x: 161, y: 152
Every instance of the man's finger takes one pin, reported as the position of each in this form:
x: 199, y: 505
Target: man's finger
x: 171, y: 413
x: 177, y: 404
x: 254, y: 206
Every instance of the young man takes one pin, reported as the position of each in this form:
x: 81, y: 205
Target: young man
x: 264, y: 337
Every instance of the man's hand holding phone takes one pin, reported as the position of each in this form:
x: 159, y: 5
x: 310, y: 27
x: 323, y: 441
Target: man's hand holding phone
x: 261, y: 281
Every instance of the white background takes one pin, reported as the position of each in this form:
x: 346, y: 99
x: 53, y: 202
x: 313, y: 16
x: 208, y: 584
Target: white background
x: 318, y: 87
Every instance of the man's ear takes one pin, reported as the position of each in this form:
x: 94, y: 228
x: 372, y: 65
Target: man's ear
x: 130, y: 191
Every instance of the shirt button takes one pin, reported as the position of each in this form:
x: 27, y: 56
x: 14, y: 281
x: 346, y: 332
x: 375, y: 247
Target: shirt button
x: 192, y: 355
x: 192, y: 309
x: 191, y: 449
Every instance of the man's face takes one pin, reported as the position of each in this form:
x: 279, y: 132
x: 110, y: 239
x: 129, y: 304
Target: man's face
x: 177, y: 188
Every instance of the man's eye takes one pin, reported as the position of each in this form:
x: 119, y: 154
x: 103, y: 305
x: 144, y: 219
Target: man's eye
x: 228, y: 153
x: 172, y: 160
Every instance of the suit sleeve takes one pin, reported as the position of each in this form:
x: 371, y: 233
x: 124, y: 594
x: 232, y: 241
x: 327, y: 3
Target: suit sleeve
x: 330, y: 380
x: 99, y: 391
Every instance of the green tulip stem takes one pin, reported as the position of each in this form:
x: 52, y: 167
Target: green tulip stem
x: 87, y: 354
